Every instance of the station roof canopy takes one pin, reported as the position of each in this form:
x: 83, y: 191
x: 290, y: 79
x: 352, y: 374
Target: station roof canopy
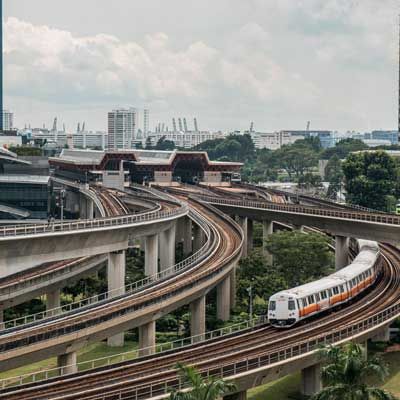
x: 25, y: 179
x: 97, y: 160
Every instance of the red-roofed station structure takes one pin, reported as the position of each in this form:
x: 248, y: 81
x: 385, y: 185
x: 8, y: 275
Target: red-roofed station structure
x: 161, y: 167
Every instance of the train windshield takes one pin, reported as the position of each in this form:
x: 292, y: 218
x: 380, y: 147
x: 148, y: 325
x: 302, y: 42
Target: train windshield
x: 291, y: 305
x: 272, y: 305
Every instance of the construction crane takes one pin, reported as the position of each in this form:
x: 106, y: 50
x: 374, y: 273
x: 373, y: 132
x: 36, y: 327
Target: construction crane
x: 308, y: 126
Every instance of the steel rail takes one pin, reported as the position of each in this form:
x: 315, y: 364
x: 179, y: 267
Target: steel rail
x: 275, y: 341
x: 12, y: 340
x: 304, y: 210
x: 125, y: 290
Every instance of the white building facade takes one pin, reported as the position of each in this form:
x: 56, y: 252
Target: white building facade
x: 272, y: 141
x: 185, y: 140
x: 8, y: 120
x: 122, y: 125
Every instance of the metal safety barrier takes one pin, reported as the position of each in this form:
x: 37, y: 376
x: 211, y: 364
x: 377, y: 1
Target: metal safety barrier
x: 134, y: 354
x: 229, y: 370
x: 295, y: 209
x: 124, y: 290
x: 91, y: 224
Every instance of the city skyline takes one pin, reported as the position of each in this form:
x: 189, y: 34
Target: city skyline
x: 241, y: 69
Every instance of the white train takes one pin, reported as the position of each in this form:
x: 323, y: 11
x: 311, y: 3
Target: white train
x: 288, y: 307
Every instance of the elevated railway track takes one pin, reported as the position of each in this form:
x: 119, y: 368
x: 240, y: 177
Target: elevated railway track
x: 121, y: 313
x: 230, y: 356
x: 249, y: 357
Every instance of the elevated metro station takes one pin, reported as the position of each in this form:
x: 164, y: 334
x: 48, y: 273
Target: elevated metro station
x: 161, y: 167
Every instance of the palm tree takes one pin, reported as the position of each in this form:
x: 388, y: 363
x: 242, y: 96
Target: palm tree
x: 201, y: 389
x: 347, y: 373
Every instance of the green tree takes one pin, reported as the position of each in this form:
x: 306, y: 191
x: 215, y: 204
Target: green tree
x: 201, y: 389
x: 344, y: 148
x: 265, y: 279
x: 299, y: 257
x: 26, y: 151
x: 334, y: 175
x: 296, y: 159
x: 347, y: 375
x: 164, y: 144
x: 369, y: 178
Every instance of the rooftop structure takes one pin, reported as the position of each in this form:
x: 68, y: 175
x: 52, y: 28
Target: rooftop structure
x: 143, y: 165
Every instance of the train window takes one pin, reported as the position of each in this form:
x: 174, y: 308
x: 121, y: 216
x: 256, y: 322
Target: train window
x: 311, y: 299
x: 335, y: 290
x: 317, y: 297
x: 291, y: 305
x: 272, y: 305
x: 330, y: 292
x: 323, y: 295
x: 341, y: 289
x: 304, y: 302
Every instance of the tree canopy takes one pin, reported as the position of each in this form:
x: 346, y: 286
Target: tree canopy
x: 299, y: 257
x: 201, y: 388
x: 370, y: 177
x: 347, y: 375
x: 343, y: 148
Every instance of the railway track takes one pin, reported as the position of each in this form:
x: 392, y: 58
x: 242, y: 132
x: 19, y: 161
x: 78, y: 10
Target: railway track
x: 134, y: 379
x: 214, y: 268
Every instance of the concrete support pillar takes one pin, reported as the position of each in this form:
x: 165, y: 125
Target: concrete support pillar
x: 116, y: 285
x: 86, y: 207
x: 236, y: 396
x: 147, y: 339
x: 187, y: 237
x: 179, y: 230
x: 382, y: 336
x: 151, y: 255
x: 198, y: 318
x: 67, y: 363
x: 90, y: 209
x: 53, y: 300
x: 311, y: 380
x: 242, y: 221
x: 268, y: 229
x: 341, y: 252
x: 249, y: 236
x: 223, y: 299
x: 198, y: 238
x: 167, y: 248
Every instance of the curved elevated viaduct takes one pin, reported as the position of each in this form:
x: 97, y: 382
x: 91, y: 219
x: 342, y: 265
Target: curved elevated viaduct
x: 250, y: 357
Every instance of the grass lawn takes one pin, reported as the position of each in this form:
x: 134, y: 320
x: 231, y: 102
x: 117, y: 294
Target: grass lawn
x: 93, y: 351
x: 288, y: 388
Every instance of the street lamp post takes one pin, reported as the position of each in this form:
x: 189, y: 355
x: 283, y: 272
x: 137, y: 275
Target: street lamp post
x: 62, y: 197
x: 250, y: 292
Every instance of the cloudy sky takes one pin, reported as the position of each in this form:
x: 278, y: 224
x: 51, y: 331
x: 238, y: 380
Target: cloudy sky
x: 278, y: 63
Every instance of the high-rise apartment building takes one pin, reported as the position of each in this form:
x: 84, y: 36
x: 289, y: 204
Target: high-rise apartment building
x: 121, y: 128
x: 146, y: 121
x: 7, y: 120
